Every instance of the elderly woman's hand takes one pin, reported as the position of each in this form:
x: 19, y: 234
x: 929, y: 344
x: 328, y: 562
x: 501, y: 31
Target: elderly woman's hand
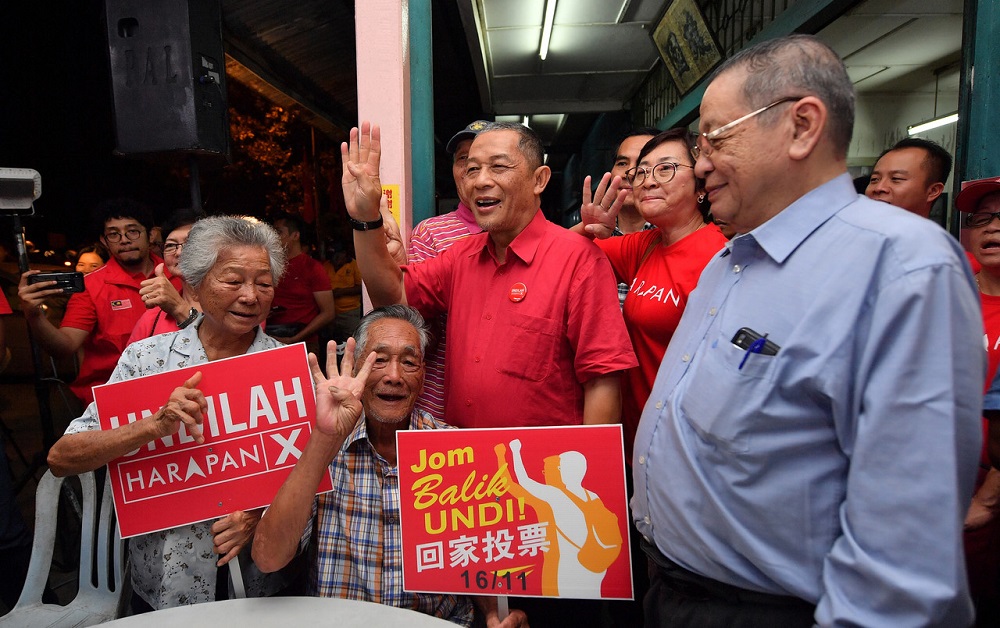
x: 231, y: 533
x: 338, y: 397
x: 186, y: 405
x: 599, y: 216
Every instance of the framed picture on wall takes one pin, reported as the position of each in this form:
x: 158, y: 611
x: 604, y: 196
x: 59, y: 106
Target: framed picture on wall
x: 686, y: 46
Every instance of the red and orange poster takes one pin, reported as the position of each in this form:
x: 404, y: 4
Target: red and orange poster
x: 523, y: 512
x: 261, y: 409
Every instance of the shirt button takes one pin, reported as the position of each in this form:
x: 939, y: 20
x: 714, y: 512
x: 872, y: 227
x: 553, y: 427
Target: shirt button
x: 737, y: 268
x: 489, y: 317
x: 711, y: 312
x: 642, y: 459
x: 478, y: 358
x: 659, y: 405
x: 646, y: 520
x: 686, y: 357
x: 468, y: 402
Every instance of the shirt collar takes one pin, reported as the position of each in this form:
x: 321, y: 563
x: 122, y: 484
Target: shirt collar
x: 186, y: 342
x: 783, y: 233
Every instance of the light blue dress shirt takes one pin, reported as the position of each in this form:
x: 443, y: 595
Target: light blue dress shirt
x: 840, y: 469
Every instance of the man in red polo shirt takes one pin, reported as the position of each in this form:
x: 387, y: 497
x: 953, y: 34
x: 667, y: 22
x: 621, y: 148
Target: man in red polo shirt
x: 99, y: 319
x: 535, y: 335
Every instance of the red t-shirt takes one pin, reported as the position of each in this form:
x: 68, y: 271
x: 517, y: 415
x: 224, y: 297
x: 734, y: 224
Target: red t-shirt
x: 108, y: 310
x: 658, y: 292
x: 294, y: 301
x: 523, y: 336
x: 4, y: 306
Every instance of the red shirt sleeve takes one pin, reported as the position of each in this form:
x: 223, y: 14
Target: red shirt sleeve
x: 81, y: 313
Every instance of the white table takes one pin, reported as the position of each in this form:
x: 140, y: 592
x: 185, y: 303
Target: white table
x: 282, y: 611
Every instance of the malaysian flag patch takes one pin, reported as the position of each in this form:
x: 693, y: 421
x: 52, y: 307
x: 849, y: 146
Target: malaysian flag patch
x: 121, y: 304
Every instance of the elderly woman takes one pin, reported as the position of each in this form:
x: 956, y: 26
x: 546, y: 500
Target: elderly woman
x: 232, y: 265
x: 662, y: 265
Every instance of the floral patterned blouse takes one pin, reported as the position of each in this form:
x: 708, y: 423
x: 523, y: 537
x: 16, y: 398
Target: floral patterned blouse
x: 176, y: 567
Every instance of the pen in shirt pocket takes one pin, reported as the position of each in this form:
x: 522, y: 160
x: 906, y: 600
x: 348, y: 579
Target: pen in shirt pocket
x: 753, y: 342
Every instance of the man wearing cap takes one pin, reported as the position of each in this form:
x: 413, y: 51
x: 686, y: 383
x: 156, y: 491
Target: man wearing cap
x: 980, y: 200
x: 429, y: 239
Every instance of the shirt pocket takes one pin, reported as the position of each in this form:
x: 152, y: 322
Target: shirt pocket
x: 531, y: 349
x: 723, y: 401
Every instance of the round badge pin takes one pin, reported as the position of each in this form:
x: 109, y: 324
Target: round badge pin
x: 517, y: 292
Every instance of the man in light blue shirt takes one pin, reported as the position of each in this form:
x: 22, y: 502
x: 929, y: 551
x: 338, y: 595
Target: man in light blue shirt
x: 809, y: 448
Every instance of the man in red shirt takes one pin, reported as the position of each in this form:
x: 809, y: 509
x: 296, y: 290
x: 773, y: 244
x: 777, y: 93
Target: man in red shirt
x: 303, y: 302
x: 534, y: 334
x: 99, y: 319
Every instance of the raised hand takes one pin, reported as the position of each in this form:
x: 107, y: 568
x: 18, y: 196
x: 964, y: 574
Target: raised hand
x: 599, y: 216
x: 362, y: 187
x: 186, y: 405
x: 338, y: 397
x: 157, y: 291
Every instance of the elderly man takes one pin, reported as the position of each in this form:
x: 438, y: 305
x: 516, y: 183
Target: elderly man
x: 809, y: 448
x: 533, y: 334
x: 910, y: 175
x: 99, y: 319
x: 356, y: 552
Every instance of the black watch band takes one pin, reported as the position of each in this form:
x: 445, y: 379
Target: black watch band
x: 192, y: 316
x: 361, y: 225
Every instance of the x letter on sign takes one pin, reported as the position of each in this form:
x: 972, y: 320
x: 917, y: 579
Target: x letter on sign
x: 288, y: 446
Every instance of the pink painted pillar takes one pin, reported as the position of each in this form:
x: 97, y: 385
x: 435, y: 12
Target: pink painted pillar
x: 383, y: 52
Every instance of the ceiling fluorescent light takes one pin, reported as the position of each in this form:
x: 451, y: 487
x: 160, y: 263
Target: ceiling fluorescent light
x: 917, y: 129
x: 525, y: 121
x: 550, y: 16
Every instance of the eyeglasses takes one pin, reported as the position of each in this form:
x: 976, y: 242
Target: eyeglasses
x: 980, y: 219
x: 116, y: 236
x: 171, y: 247
x: 705, y: 146
x: 662, y: 173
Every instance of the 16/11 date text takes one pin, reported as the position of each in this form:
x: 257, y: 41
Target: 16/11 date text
x: 482, y: 580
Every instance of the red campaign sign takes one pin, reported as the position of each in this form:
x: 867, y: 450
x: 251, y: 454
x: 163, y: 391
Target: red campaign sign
x: 261, y: 408
x: 525, y: 511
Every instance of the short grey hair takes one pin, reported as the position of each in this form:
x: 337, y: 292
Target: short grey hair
x: 399, y: 312
x: 798, y: 65
x: 528, y: 141
x: 209, y: 236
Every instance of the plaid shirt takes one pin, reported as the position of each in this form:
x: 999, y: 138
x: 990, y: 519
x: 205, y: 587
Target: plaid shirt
x: 357, y: 544
x: 623, y: 287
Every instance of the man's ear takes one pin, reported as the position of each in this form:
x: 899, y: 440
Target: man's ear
x: 809, y: 117
x: 934, y: 191
x: 542, y: 176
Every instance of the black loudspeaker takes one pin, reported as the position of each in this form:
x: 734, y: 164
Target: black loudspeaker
x: 168, y: 75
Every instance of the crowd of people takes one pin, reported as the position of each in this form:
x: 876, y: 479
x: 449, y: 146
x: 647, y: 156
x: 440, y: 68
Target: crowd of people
x: 798, y: 368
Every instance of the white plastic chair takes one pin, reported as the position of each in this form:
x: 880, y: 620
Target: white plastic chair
x: 92, y: 604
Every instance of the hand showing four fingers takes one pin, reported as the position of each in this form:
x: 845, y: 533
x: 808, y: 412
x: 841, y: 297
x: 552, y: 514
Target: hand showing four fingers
x: 338, y: 397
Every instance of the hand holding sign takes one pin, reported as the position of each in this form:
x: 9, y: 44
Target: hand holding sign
x: 338, y: 397
x: 231, y: 533
x: 186, y: 405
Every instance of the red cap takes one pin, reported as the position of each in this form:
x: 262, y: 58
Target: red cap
x: 968, y: 199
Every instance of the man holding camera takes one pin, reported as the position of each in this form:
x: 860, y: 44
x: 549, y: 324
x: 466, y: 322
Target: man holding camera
x: 99, y: 319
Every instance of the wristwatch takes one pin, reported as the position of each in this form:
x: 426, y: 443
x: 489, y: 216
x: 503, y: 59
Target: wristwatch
x: 361, y: 225
x: 192, y: 315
